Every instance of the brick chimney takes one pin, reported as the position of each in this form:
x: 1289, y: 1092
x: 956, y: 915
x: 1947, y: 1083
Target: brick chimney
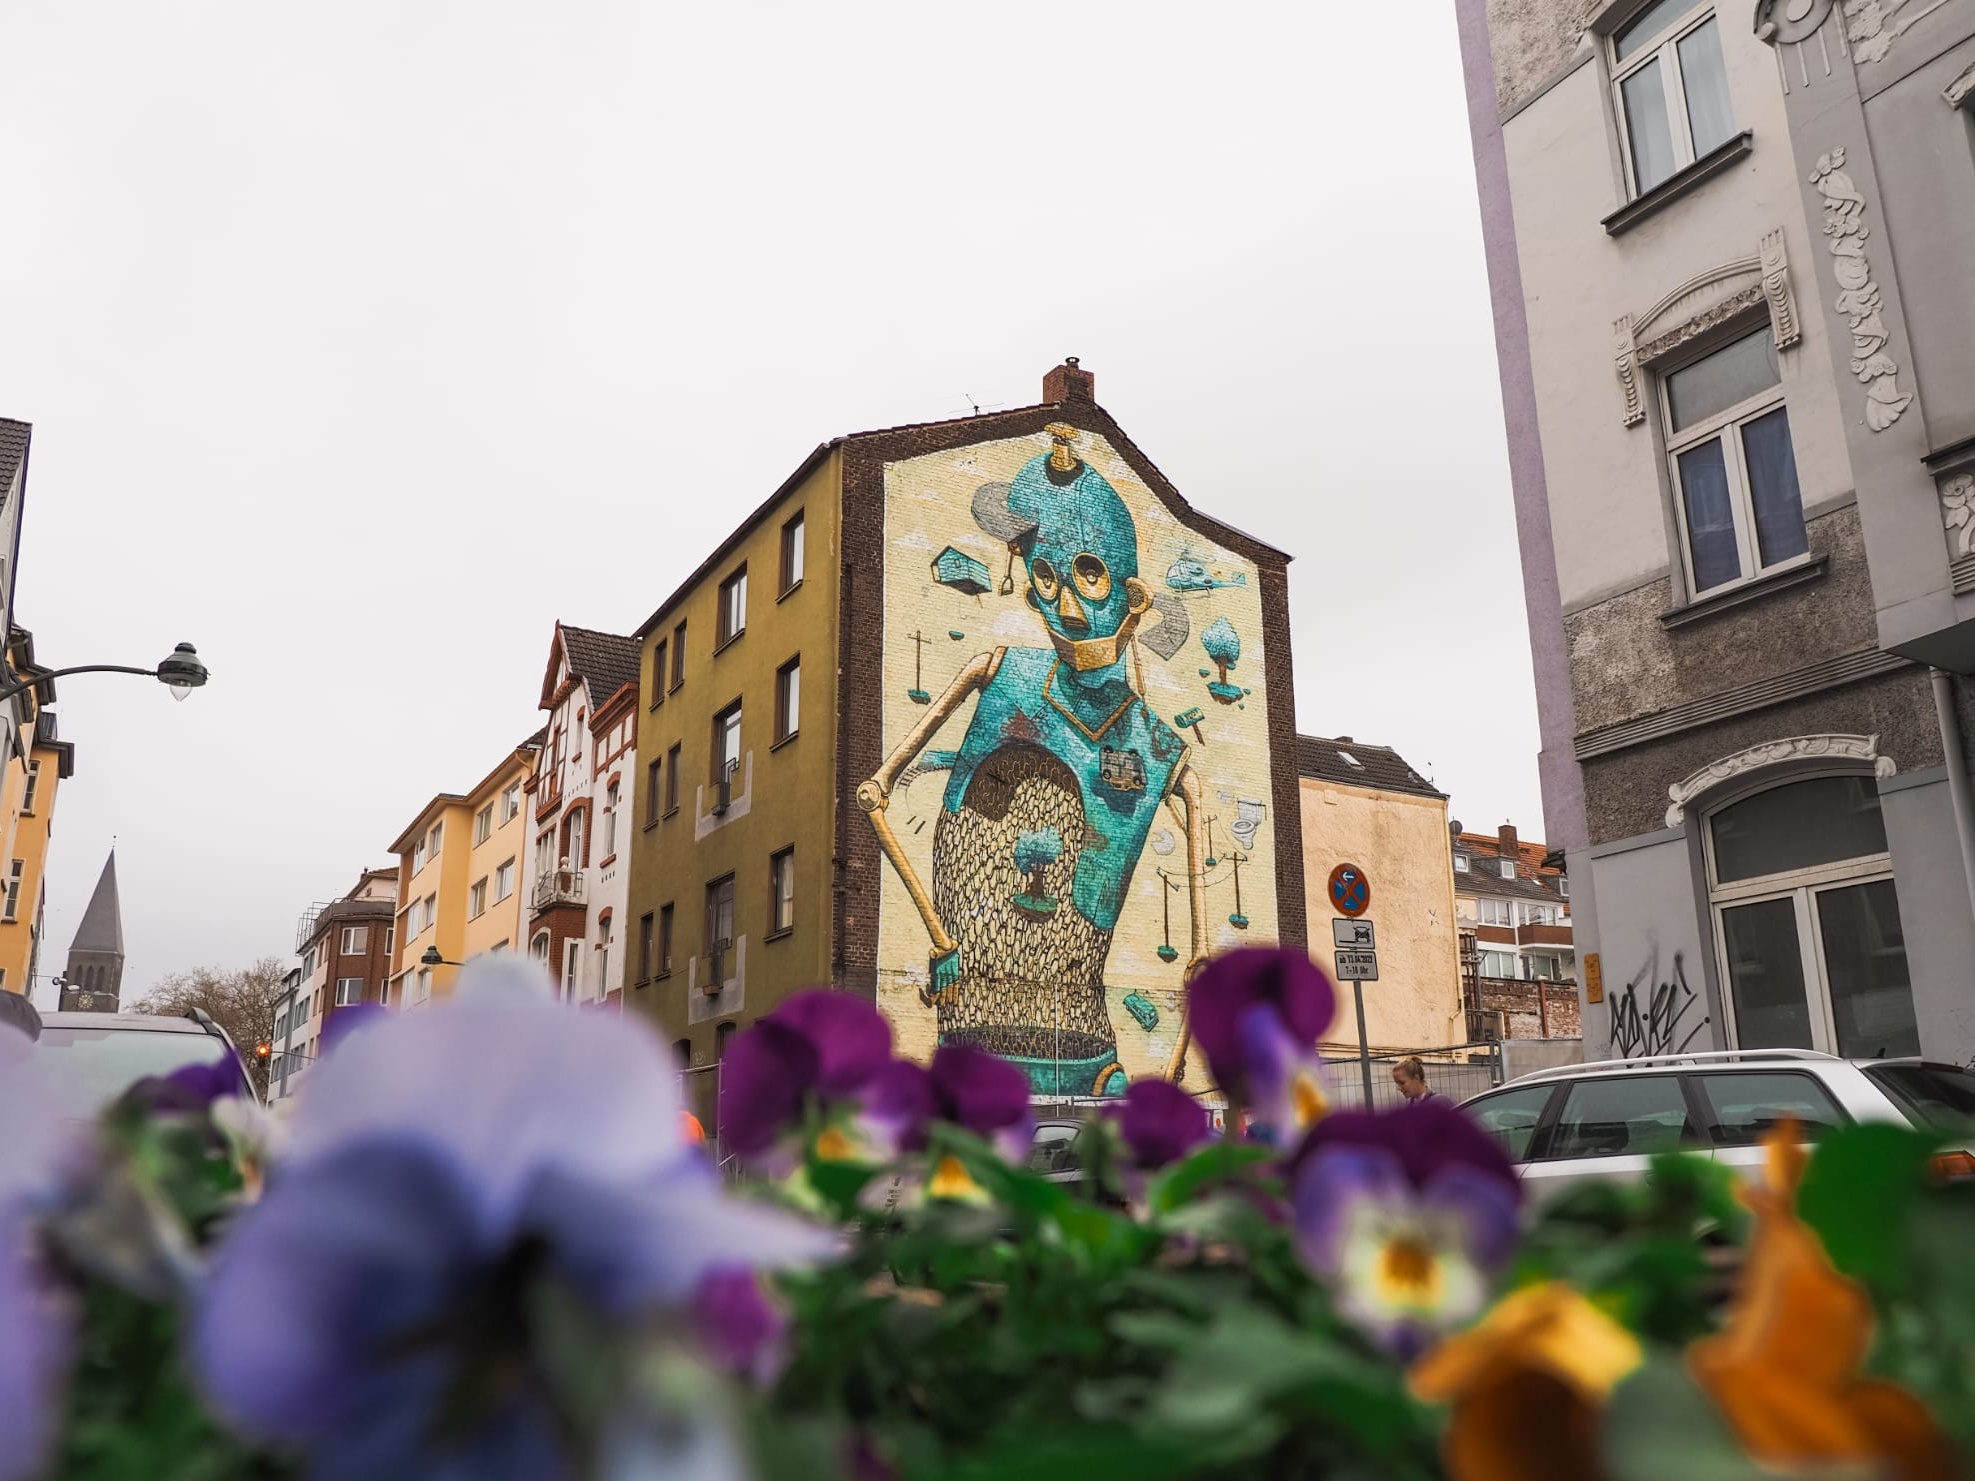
x: 1066, y: 382
x: 1511, y: 848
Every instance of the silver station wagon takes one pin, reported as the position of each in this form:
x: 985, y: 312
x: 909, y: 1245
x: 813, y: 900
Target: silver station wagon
x: 1606, y: 1120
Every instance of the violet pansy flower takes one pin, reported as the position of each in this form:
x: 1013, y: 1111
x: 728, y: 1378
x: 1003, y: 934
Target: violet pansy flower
x: 820, y: 1053
x: 1160, y: 1123
x: 1256, y: 1015
x: 740, y: 1326
x: 447, y: 1170
x: 1406, y: 1215
x: 36, y: 1324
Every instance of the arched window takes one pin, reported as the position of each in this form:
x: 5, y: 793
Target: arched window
x: 1807, y: 920
x: 722, y: 1037
x: 539, y: 947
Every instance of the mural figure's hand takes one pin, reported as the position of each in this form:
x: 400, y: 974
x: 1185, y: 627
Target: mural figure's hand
x: 872, y: 797
x: 944, y: 969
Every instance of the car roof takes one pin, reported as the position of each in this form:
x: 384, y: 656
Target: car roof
x: 150, y: 1023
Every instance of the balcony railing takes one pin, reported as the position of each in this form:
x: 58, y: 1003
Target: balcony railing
x: 559, y: 887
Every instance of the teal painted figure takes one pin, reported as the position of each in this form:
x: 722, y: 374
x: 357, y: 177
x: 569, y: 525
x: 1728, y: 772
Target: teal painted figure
x: 1053, y: 793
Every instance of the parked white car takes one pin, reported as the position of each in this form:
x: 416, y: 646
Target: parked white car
x: 1608, y: 1119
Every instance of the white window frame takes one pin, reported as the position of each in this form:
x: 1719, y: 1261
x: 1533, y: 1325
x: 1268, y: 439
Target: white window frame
x: 1460, y: 863
x: 418, y: 856
x: 1747, y: 551
x: 504, y: 881
x: 1672, y: 80
x: 1802, y: 887
x: 353, y: 986
x: 510, y: 802
x: 353, y: 941
x: 476, y: 899
x: 483, y: 825
x: 611, y: 796
x: 33, y: 788
x: 571, y: 978
x: 16, y: 872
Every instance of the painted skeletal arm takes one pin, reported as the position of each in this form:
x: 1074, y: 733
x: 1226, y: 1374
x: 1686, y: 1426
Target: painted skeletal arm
x: 1188, y: 789
x: 874, y: 795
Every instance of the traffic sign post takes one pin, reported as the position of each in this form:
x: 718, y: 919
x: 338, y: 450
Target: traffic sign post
x: 1350, y: 890
x: 1356, y: 957
x: 1349, y: 935
x: 1356, y: 966
x: 1364, y: 1045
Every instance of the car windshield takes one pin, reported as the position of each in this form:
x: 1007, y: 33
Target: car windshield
x: 93, y: 1066
x: 1937, y: 1097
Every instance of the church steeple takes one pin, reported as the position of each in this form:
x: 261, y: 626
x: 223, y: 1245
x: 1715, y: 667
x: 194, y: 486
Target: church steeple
x: 94, y: 978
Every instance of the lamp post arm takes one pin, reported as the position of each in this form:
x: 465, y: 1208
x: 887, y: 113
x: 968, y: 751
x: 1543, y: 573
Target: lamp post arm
x: 21, y: 686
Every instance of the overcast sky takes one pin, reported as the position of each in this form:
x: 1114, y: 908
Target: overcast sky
x: 363, y: 342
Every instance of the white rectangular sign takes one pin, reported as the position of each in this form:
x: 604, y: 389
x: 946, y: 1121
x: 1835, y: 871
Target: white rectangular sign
x: 1352, y: 934
x: 1357, y: 966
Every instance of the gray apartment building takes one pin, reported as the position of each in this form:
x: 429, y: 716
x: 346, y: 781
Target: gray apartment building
x: 1731, y: 248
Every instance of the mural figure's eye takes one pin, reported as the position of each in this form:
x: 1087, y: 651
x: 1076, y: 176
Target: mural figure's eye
x: 1093, y: 577
x: 1047, y: 582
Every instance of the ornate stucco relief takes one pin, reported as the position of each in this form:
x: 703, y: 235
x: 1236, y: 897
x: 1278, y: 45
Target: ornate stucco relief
x: 1961, y: 92
x: 1626, y: 360
x: 1700, y: 304
x: 1958, y: 512
x: 1773, y: 753
x: 1858, y: 300
x: 1872, y: 26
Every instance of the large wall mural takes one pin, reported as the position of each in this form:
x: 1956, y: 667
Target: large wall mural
x: 1074, y: 797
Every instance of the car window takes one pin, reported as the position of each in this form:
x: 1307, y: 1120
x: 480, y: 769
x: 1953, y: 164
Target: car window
x: 1510, y: 1116
x: 93, y: 1066
x: 1623, y: 1118
x: 1935, y: 1097
x: 1750, y: 1104
x: 1054, y: 1149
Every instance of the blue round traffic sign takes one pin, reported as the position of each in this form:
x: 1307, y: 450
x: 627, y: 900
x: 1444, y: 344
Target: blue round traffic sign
x: 1350, y: 891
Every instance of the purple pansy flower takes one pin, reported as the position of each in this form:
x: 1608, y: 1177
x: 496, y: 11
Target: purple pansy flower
x: 1160, y: 1123
x: 1405, y: 1214
x: 347, y: 1020
x: 820, y: 1051
x: 36, y: 1328
x: 984, y: 1094
x: 192, y: 1087
x: 1256, y: 1015
x: 446, y: 1167
x: 741, y: 1327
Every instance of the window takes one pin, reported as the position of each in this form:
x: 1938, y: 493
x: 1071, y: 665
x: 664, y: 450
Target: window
x: 1511, y: 1117
x: 664, y: 940
x: 678, y: 655
x: 354, y: 941
x: 418, y: 855
x: 781, y: 892
x: 348, y: 990
x: 1349, y: 760
x: 1494, y: 912
x: 504, y: 881
x: 33, y: 786
x: 682, y: 1050
x: 1672, y: 90
x: 539, y: 948
x: 510, y: 802
x: 723, y: 1035
x: 1460, y: 863
x: 1563, y: 886
x: 788, y: 699
x: 645, y: 923
x: 1807, y: 921
x: 1734, y: 470
x: 14, y: 873
x: 483, y: 825
x: 431, y: 910
x: 1534, y: 914
x: 727, y: 742
x: 1934, y: 1097
x: 792, y: 552
x: 672, y: 780
x: 603, y: 955
x: 438, y: 837
x: 308, y: 962
x: 654, y: 779
x: 390, y: 942
x: 544, y: 852
x: 733, y: 607
x: 1746, y: 1106
x: 720, y: 916
x: 476, y: 900
x: 1508, y: 867
x: 1055, y: 1149
x: 610, y: 820
x: 572, y: 967
x: 411, y: 923
x: 1634, y: 1117
x: 1499, y: 964
x: 658, y: 653
x: 422, y: 986
x: 573, y: 829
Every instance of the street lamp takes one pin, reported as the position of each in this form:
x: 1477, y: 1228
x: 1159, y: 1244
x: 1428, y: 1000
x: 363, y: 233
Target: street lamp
x: 433, y: 959
x: 181, y: 672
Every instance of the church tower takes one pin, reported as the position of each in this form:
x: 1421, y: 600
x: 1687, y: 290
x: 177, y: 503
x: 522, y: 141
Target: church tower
x: 94, y: 979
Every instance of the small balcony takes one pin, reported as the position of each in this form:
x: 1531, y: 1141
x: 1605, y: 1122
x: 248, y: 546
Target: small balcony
x: 1536, y: 934
x: 559, y: 887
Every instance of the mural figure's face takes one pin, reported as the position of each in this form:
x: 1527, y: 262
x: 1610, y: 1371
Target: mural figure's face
x: 1081, y: 554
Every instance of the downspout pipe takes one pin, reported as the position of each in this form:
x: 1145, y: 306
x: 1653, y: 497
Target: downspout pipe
x: 1958, y: 793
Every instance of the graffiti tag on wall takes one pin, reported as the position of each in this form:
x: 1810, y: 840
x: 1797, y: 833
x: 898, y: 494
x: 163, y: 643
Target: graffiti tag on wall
x: 1648, y: 1016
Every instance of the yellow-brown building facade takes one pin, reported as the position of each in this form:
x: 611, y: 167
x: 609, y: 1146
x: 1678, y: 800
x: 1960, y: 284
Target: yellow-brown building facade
x: 1039, y: 762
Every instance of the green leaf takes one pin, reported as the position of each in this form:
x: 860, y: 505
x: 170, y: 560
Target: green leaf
x: 1660, y: 1425
x: 1218, y: 1160
x: 1858, y: 1194
x: 1080, y: 1455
